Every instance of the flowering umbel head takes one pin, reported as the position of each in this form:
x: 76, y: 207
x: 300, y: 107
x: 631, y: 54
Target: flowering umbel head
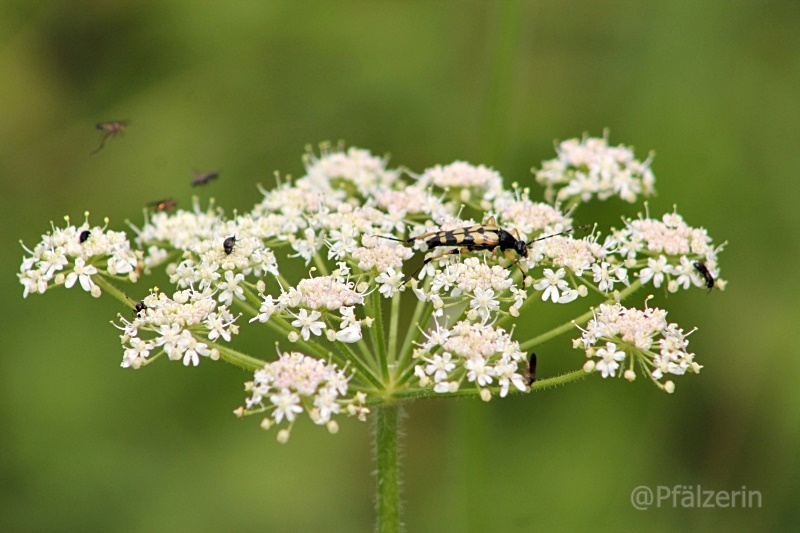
x: 323, y: 263
x: 618, y: 341
x: 589, y: 167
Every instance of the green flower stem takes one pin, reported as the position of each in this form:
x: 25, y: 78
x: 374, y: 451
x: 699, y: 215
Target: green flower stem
x: 555, y: 332
x: 525, y: 303
x: 394, y: 319
x: 320, y: 264
x: 422, y: 313
x: 407, y: 375
x: 280, y: 326
x: 238, y: 358
x: 474, y: 424
x: 367, y: 353
x: 283, y: 282
x: 377, y: 334
x: 387, y: 459
x: 250, y: 294
x: 283, y: 327
x: 582, y: 319
x: 419, y: 394
x: 111, y: 289
x: 559, y: 380
x: 356, y: 361
x: 252, y: 311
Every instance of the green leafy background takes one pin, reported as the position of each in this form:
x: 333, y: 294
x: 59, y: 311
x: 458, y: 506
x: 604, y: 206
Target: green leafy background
x: 242, y: 87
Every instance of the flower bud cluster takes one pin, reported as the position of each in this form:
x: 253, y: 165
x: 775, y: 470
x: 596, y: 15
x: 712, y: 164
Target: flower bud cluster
x: 618, y: 340
x: 470, y: 353
x: 295, y: 383
x: 76, y: 254
x: 332, y: 298
x: 589, y: 167
x: 664, y: 251
x: 184, y: 327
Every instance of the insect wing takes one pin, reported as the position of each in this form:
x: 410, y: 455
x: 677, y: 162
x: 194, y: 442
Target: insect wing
x: 202, y: 178
x: 531, y: 373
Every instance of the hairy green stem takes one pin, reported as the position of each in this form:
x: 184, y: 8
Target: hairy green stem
x: 111, y: 289
x: 356, y: 361
x: 237, y: 358
x: 413, y: 331
x: 378, y: 336
x: 419, y: 394
x: 394, y: 319
x: 320, y: 264
x: 388, y: 473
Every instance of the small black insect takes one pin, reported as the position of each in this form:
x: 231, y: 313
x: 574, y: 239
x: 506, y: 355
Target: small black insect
x: 532, y: 369
x: 703, y: 269
x: 228, y: 244
x: 139, y: 307
x: 112, y: 129
x: 203, y: 178
x: 167, y: 204
x: 83, y: 236
x: 486, y: 236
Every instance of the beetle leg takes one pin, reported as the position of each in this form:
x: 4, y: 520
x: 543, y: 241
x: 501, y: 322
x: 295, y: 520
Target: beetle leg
x: 516, y: 262
x: 454, y: 251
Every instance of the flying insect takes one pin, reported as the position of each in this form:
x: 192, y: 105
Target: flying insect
x: 167, y: 204
x: 111, y: 129
x: 203, y: 178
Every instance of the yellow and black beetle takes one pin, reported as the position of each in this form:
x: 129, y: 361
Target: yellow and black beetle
x: 487, y: 236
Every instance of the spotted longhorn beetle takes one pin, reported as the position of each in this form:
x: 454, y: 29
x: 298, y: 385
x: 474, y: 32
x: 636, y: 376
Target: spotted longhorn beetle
x: 486, y: 236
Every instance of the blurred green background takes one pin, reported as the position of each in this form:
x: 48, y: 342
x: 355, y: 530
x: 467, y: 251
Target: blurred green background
x: 713, y: 87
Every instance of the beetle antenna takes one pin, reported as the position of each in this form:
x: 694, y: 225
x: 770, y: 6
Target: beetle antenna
x: 392, y: 238
x: 571, y: 230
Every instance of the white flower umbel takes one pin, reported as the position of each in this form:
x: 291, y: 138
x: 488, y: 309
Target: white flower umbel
x: 327, y: 263
x: 471, y: 354
x: 354, y: 220
x: 183, y: 327
x: 664, y: 252
x: 644, y: 338
x: 296, y: 383
x: 78, y: 255
x: 589, y: 168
